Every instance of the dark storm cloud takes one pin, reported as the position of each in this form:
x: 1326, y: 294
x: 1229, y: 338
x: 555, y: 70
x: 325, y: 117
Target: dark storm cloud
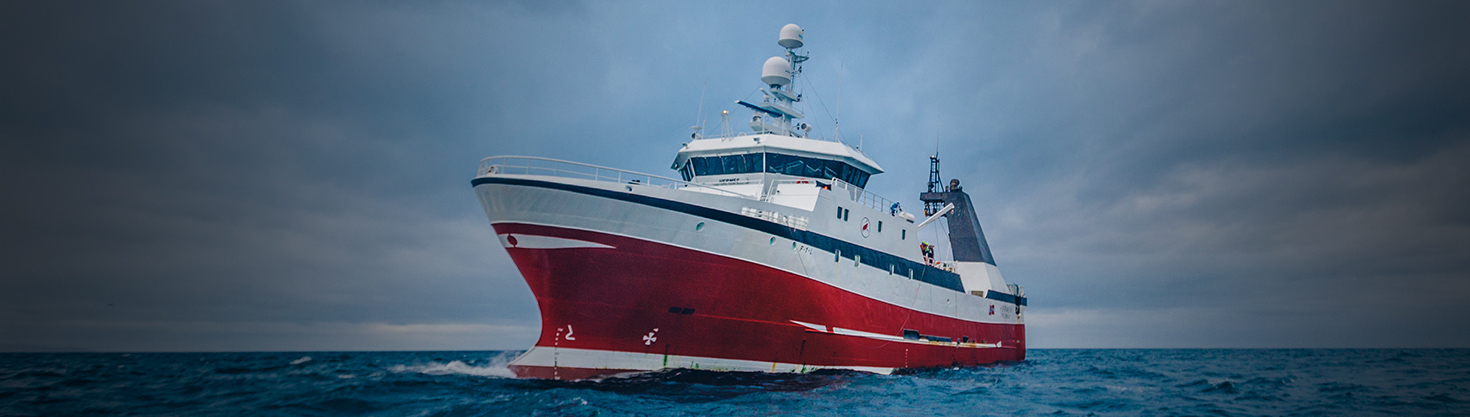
x: 1230, y: 175
x: 223, y: 165
x: 283, y: 175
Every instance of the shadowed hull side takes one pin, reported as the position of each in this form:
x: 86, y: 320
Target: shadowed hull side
x: 611, y: 304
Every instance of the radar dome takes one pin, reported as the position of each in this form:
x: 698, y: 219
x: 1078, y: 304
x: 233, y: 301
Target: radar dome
x: 776, y: 71
x: 790, y: 36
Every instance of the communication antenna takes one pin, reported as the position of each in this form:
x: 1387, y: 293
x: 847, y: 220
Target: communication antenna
x: 837, y: 129
x: 699, y: 116
x: 725, y: 129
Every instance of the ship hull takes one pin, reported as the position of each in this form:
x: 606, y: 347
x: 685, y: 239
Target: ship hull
x: 616, y: 298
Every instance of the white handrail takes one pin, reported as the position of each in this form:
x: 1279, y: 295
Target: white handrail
x: 743, y: 134
x: 864, y: 196
x: 857, y: 194
x: 532, y: 165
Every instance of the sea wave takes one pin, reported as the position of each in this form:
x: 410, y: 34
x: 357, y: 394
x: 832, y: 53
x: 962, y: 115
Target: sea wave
x: 1049, y: 382
x: 456, y: 367
x: 495, y: 365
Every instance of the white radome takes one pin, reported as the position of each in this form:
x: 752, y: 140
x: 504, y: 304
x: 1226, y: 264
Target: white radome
x: 776, y: 71
x: 790, y: 36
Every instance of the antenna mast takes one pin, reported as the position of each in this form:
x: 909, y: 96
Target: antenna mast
x: 777, y: 114
x: 837, y: 129
x: 931, y: 207
x: 699, y: 116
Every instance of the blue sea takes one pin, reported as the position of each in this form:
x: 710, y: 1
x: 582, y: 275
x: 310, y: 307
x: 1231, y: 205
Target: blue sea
x: 1194, y: 382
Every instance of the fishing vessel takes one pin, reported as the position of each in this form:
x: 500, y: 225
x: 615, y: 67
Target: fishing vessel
x: 766, y: 254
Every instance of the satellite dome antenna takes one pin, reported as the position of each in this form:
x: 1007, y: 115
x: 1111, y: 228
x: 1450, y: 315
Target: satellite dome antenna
x: 790, y: 36
x: 778, y: 73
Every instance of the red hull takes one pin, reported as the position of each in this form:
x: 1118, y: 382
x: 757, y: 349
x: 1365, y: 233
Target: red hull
x: 710, y: 306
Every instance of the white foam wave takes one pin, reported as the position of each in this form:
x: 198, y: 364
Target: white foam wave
x: 304, y: 359
x: 457, y: 367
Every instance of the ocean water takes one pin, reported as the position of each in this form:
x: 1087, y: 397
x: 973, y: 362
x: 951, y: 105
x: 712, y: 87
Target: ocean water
x: 1050, y: 382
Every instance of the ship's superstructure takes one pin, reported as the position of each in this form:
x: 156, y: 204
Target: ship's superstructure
x: 767, y: 255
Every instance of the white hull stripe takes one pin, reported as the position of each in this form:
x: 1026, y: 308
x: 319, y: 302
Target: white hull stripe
x: 609, y: 359
x: 891, y: 338
x: 525, y: 241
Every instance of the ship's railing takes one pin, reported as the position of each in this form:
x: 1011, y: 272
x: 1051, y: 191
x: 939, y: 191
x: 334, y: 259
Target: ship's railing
x: 863, y: 196
x: 857, y: 194
x: 795, y: 222
x: 531, y: 165
x: 741, y: 134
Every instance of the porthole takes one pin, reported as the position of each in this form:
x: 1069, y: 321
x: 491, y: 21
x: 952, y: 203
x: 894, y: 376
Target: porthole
x: 699, y: 226
x: 773, y: 241
x: 793, y: 245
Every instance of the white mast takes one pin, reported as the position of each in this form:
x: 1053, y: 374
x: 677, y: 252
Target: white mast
x: 777, y: 113
x: 699, y: 116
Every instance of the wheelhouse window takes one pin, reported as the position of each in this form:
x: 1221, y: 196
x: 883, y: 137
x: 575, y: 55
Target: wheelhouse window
x: 727, y: 164
x: 774, y: 163
x: 815, y: 168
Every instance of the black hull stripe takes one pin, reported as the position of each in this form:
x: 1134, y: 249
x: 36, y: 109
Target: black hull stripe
x: 867, y: 256
x: 1005, y: 298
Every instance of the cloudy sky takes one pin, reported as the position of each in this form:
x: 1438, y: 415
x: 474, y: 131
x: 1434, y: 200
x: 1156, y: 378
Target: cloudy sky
x: 193, y: 175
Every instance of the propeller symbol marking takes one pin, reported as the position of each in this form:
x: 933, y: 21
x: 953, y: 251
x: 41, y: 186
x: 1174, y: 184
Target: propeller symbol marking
x: 649, y: 338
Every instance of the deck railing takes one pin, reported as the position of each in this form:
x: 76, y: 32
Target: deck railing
x: 863, y: 196
x: 857, y: 194
x: 531, y: 165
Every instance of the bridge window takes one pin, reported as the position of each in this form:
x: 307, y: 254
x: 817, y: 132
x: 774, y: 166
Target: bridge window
x: 688, y: 171
x: 815, y: 168
x: 776, y: 163
x: 727, y: 164
x: 785, y: 164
